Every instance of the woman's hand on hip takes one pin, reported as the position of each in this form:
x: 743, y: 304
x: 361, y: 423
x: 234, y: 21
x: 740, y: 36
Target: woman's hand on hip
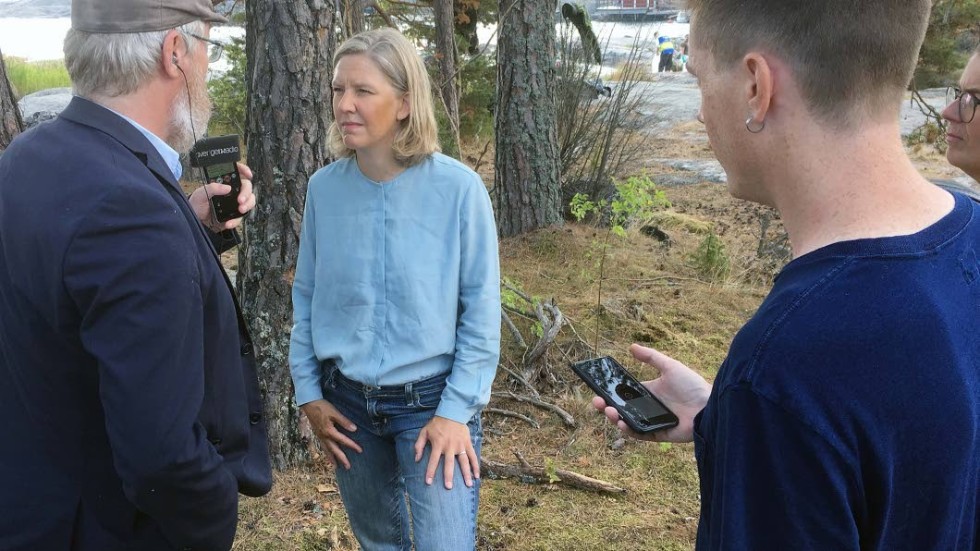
x: 450, y: 439
x: 327, y: 422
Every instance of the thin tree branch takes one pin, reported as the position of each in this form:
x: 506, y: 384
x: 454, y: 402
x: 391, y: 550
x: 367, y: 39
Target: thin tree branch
x: 564, y: 415
x: 550, y: 330
x: 534, y: 392
x: 514, y: 414
x: 539, y: 475
x: 513, y: 329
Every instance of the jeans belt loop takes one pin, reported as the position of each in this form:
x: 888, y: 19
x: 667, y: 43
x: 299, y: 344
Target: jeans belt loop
x: 409, y: 395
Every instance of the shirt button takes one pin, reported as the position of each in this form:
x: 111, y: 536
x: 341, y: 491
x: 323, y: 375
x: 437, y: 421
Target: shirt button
x: 247, y: 349
x: 255, y: 418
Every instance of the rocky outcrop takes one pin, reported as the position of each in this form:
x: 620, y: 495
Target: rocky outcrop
x: 43, y: 106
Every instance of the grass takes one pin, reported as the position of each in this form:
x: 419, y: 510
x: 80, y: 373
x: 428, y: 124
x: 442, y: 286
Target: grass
x: 28, y: 77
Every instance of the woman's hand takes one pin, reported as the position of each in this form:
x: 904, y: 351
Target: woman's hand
x: 325, y: 419
x: 452, y: 440
x: 679, y: 387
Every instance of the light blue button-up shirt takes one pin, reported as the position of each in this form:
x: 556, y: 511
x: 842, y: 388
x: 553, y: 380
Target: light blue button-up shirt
x: 169, y: 154
x: 398, y: 282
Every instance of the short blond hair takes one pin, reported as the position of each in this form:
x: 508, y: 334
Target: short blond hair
x: 397, y: 59
x: 847, y: 56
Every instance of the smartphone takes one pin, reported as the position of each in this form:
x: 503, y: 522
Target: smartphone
x: 218, y: 156
x: 637, y: 407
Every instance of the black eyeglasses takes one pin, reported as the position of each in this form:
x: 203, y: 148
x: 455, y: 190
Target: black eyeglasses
x: 214, y: 47
x: 966, y: 103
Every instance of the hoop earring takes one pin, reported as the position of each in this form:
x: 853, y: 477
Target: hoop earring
x: 748, y: 126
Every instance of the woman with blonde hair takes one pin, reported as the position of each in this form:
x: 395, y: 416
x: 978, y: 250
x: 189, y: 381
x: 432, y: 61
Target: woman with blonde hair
x: 396, y: 306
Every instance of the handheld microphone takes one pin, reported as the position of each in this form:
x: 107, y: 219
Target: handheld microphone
x: 217, y: 156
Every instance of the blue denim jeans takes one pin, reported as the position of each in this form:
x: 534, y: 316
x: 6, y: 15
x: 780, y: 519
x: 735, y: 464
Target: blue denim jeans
x: 385, y: 494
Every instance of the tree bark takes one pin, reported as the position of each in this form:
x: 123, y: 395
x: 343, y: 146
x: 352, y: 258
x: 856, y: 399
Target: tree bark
x: 527, y: 187
x: 10, y: 120
x: 351, y: 17
x: 448, y: 63
x: 289, y: 48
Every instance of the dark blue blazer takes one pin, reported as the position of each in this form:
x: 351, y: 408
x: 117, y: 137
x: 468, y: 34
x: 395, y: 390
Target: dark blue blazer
x: 130, y: 413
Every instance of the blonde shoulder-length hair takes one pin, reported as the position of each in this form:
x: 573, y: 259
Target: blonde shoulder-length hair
x: 396, y: 57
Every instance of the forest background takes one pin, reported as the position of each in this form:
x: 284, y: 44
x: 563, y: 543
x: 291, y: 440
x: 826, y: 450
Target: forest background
x: 614, y: 229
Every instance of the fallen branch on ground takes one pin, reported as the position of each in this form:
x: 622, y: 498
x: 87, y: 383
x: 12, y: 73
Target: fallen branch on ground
x: 565, y: 416
x: 517, y: 377
x: 527, y: 473
x: 514, y: 414
x: 513, y: 328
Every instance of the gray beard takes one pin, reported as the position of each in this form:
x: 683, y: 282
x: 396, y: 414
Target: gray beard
x: 185, y: 122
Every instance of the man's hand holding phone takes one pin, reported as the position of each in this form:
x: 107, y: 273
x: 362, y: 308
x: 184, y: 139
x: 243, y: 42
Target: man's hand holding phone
x: 679, y: 387
x: 202, y: 206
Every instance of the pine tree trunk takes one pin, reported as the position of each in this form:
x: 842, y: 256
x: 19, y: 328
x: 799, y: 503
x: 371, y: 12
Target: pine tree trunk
x: 10, y: 120
x: 289, y: 47
x: 528, y: 186
x: 351, y: 17
x: 448, y: 63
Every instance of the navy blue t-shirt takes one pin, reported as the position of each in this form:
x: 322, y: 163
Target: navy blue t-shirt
x: 847, y: 414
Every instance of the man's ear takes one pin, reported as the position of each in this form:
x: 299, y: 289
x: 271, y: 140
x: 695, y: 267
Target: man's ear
x: 760, y: 87
x: 172, y: 54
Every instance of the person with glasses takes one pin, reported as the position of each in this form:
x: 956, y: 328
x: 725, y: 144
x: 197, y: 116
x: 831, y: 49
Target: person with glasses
x: 132, y: 416
x: 963, y: 128
x: 215, y: 48
x: 846, y: 415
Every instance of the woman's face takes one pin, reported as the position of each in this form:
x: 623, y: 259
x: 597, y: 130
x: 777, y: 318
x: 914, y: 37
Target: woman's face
x: 367, y: 108
x: 963, y: 137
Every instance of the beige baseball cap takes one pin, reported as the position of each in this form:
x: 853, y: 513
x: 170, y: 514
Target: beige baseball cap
x: 137, y: 16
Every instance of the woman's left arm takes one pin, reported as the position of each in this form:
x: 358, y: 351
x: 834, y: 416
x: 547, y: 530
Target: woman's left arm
x: 477, y: 341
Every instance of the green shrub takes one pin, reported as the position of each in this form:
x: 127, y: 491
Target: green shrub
x: 478, y: 78
x: 710, y: 259
x: 227, y: 92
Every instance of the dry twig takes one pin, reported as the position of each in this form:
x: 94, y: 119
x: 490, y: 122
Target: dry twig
x: 517, y: 377
x: 513, y: 328
x: 564, y: 415
x: 525, y: 472
x: 514, y: 414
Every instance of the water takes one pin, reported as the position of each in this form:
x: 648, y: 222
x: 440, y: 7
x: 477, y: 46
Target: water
x: 39, y: 39
x: 33, y: 39
x: 615, y: 37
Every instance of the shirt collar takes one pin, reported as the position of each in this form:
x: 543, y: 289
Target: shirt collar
x: 169, y: 154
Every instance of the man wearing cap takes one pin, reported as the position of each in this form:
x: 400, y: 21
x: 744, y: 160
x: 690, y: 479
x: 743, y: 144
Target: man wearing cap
x: 131, y: 414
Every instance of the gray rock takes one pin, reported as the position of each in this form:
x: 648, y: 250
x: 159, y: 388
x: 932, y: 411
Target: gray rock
x: 670, y: 99
x: 43, y: 106
x: 690, y: 171
x: 673, y: 98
